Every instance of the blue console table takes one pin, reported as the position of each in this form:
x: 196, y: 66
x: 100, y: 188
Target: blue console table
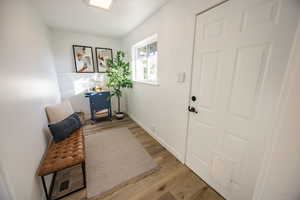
x: 98, y: 102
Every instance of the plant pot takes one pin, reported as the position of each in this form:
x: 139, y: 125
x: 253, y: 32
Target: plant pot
x: 120, y: 115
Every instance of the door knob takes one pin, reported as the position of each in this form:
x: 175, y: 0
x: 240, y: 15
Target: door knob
x: 192, y: 109
x: 194, y: 98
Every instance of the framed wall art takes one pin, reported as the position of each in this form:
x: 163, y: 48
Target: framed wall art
x: 102, y: 55
x: 83, y: 58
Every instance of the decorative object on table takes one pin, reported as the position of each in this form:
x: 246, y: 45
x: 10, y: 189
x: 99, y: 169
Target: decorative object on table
x: 97, y: 82
x: 100, y: 105
x: 98, y: 89
x: 102, y: 56
x: 83, y: 58
x: 118, y: 77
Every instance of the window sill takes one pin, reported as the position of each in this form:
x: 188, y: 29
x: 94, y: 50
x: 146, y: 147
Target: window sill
x: 147, y: 83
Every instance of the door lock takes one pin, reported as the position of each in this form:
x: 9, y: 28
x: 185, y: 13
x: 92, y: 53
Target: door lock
x: 192, y: 109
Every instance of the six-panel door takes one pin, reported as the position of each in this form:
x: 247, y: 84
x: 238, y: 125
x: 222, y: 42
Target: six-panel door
x: 240, y: 58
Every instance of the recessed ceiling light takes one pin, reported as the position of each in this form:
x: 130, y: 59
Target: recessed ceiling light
x: 105, y: 4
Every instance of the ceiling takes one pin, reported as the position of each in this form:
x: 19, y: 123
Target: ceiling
x: 75, y: 15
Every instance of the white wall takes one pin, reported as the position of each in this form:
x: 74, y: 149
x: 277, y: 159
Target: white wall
x: 281, y: 176
x: 27, y: 84
x: 163, y: 109
x: 62, y: 42
x: 4, y: 190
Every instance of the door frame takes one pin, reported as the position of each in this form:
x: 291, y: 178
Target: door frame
x: 270, y: 144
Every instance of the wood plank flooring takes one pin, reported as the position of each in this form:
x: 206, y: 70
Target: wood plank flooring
x: 173, y: 181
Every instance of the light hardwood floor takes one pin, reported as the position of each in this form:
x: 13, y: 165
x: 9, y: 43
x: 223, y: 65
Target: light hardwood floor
x: 173, y: 180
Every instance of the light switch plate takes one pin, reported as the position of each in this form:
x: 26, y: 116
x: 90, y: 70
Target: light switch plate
x: 181, y: 77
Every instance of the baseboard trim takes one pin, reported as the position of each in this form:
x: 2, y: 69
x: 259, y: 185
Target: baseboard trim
x: 157, y: 138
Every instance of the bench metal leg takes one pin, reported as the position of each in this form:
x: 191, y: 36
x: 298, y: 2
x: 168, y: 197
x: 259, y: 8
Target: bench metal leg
x: 83, y: 174
x: 48, y: 195
x: 45, y: 188
x: 52, y: 185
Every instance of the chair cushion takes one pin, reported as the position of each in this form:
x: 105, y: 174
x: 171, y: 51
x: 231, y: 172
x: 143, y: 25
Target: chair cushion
x: 64, y: 128
x: 59, y: 112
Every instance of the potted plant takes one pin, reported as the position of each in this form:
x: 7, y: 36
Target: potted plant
x: 118, y: 75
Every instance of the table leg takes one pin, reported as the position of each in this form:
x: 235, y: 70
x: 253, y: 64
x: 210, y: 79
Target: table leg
x: 83, y: 173
x: 52, y: 185
x: 45, y: 188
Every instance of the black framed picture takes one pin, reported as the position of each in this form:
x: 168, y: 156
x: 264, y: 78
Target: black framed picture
x: 83, y: 58
x: 102, y: 55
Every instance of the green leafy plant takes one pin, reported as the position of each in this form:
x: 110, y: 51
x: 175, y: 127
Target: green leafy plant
x: 118, y: 74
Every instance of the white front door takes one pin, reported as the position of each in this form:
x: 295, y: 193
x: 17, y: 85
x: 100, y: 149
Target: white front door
x: 240, y: 58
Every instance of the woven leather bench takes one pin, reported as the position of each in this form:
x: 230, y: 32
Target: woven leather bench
x: 62, y: 155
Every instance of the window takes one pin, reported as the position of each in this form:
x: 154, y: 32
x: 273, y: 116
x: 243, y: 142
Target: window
x: 144, y: 55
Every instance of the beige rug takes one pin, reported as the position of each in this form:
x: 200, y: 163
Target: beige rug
x: 114, y: 158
